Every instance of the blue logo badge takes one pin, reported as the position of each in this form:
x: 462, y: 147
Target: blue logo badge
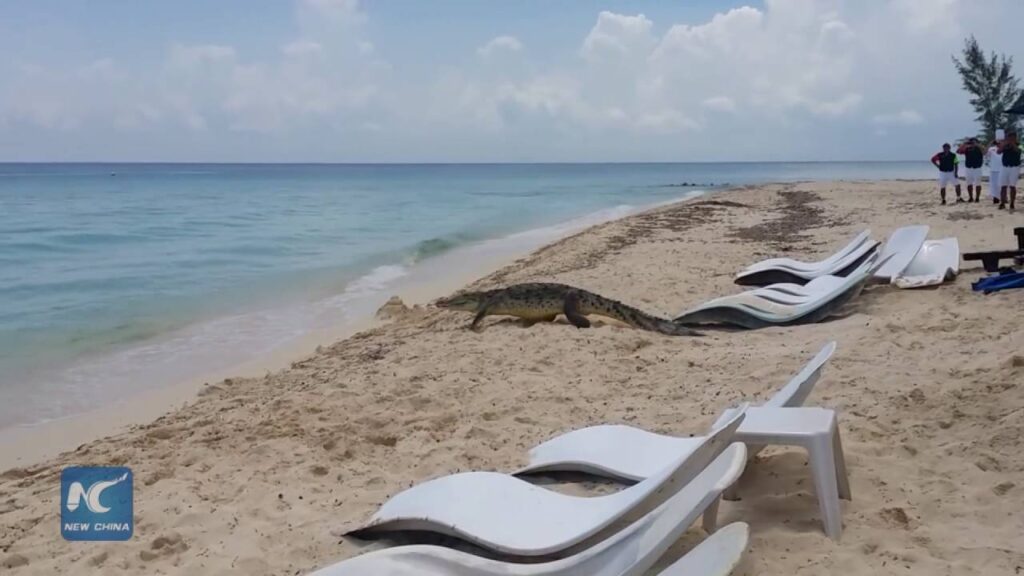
x: 96, y: 503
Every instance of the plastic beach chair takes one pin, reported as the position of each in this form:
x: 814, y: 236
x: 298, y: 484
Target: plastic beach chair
x: 936, y: 262
x: 629, y: 454
x: 511, y: 516
x: 900, y: 249
x: 775, y: 270
x: 785, y: 304
x: 629, y: 552
x: 814, y: 429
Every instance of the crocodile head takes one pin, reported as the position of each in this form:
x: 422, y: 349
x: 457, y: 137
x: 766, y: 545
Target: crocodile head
x: 464, y: 301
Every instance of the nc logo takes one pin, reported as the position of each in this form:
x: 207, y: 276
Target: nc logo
x: 92, y: 496
x: 96, y: 503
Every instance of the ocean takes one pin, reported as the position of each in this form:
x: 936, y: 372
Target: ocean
x: 120, y: 278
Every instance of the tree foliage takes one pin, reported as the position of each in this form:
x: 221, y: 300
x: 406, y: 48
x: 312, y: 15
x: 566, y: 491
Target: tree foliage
x: 992, y: 86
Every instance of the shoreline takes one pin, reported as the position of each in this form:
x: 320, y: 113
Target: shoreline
x: 27, y: 444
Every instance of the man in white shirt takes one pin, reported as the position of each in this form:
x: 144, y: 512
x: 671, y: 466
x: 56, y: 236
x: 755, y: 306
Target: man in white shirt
x: 995, y: 164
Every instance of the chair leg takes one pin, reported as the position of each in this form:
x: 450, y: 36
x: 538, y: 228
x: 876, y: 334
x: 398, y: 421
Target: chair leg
x: 732, y: 493
x: 823, y: 470
x: 842, y: 477
x: 711, y: 516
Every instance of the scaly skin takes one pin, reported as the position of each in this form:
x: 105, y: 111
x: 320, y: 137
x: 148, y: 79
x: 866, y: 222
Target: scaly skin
x: 542, y: 302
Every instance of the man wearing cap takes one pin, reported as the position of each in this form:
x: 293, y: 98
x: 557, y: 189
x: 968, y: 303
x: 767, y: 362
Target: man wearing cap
x: 1011, y: 170
x: 945, y: 161
x: 974, y: 157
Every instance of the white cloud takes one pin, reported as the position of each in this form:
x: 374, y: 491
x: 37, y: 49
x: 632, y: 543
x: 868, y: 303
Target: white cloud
x: 301, y: 48
x: 334, y: 11
x: 720, y: 104
x: 190, y: 56
x: 838, y: 107
x: 500, y: 44
x: 929, y: 16
x: 624, y: 86
x: 618, y: 36
x: 905, y: 117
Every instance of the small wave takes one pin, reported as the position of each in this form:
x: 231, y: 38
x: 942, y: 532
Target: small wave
x: 370, y: 283
x: 576, y: 224
x: 432, y: 247
x: 437, y: 246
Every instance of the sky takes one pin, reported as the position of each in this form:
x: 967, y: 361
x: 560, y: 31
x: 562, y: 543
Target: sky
x: 489, y: 81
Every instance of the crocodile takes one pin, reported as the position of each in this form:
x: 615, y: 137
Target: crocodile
x: 543, y: 302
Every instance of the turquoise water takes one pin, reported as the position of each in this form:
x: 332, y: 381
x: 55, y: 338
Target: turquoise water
x: 103, y: 267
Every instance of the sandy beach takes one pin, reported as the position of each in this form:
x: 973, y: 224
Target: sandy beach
x: 262, y: 475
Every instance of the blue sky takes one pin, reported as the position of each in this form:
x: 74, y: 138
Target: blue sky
x: 392, y: 81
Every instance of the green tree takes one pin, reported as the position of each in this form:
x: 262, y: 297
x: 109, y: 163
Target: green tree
x: 992, y: 86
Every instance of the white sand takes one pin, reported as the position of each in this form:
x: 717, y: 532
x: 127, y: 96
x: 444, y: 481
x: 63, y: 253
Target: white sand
x: 258, y: 475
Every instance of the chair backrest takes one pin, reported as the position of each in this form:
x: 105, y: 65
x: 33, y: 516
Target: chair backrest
x: 849, y: 248
x: 796, y: 391
x: 900, y: 249
x: 655, y: 490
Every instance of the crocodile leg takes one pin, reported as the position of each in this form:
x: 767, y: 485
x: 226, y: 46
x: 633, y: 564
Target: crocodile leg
x: 479, y: 316
x: 572, y: 311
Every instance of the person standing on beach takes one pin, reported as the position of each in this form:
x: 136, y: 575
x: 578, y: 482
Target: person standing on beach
x: 945, y: 161
x: 995, y: 164
x: 1011, y: 170
x: 956, y: 177
x: 974, y: 157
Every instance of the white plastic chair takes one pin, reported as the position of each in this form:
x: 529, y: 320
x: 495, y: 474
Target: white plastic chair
x: 936, y: 262
x: 821, y: 265
x: 785, y: 304
x: 815, y: 430
x: 900, y: 249
x: 631, y: 454
x: 629, y: 552
x: 775, y: 270
x: 627, y: 452
x: 503, y: 513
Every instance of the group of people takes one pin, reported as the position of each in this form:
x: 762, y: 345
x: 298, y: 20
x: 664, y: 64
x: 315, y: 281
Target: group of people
x: 1003, y: 156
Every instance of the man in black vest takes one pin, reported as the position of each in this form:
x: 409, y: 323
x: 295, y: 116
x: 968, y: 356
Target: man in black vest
x: 974, y: 159
x: 945, y: 161
x: 1011, y: 170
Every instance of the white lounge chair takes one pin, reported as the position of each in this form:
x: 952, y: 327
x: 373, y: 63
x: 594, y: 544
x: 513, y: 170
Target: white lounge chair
x: 630, y: 454
x: 785, y: 304
x: 506, y: 514
x: 936, y: 262
x: 900, y: 250
x: 629, y: 552
x: 776, y: 270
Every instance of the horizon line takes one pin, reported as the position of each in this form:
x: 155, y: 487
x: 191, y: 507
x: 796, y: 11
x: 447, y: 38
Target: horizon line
x: 450, y: 163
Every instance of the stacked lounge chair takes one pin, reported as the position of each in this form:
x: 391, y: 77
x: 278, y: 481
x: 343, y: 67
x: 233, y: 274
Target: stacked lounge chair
x: 912, y: 261
x: 629, y: 552
x: 507, y: 515
x: 784, y: 304
x: 787, y: 270
x: 808, y: 292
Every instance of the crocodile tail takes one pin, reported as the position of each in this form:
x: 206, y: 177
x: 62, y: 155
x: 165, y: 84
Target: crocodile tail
x: 645, y: 321
x: 672, y: 329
